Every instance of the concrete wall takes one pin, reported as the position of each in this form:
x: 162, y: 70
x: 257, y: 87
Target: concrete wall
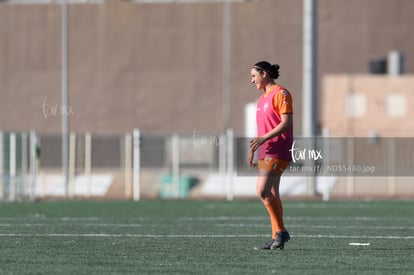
x: 159, y: 67
x: 385, y: 109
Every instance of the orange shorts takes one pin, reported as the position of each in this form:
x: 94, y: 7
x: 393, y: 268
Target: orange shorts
x: 277, y: 166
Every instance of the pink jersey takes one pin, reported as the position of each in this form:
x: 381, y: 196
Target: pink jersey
x: 268, y: 116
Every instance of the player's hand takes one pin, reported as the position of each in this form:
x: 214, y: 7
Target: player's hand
x: 256, y: 142
x: 250, y: 158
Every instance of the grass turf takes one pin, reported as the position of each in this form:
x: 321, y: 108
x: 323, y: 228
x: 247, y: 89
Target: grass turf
x: 204, y: 237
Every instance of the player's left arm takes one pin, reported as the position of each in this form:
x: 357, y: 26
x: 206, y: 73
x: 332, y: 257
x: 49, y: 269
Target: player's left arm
x: 283, y: 105
x: 283, y: 126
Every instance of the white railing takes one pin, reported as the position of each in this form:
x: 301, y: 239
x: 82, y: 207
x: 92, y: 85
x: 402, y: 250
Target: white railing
x: 139, y: 165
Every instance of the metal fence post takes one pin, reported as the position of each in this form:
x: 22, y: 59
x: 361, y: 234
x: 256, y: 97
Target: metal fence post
x: 128, y: 165
x: 175, y: 164
x: 23, y: 186
x: 230, y: 164
x: 72, y: 158
x: 222, y: 155
x: 136, y: 164
x: 88, y: 163
x: 12, y: 168
x: 33, y: 164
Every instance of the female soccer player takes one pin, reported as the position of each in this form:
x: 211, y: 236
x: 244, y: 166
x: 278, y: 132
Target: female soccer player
x: 275, y: 136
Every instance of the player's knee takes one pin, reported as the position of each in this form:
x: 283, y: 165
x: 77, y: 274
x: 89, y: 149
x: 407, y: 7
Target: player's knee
x: 264, y: 194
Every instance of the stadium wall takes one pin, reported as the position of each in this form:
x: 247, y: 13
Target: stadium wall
x: 158, y: 67
x: 368, y: 105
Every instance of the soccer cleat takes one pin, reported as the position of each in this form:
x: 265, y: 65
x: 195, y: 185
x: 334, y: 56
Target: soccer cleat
x: 281, y: 238
x: 266, y: 246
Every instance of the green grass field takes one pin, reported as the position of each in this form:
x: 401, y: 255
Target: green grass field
x: 204, y: 237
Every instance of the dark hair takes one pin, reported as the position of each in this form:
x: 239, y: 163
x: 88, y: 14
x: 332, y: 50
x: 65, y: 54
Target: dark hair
x: 273, y: 70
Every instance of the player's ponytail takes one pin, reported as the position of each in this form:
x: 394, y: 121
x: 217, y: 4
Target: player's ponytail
x: 273, y: 70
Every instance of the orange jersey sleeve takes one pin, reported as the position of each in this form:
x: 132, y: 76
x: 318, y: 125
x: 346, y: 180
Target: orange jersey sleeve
x: 282, y: 102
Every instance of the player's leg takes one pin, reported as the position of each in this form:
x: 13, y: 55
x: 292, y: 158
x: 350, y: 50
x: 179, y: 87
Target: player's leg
x: 264, y: 191
x: 281, y: 233
x: 264, y: 188
x: 267, y: 188
x: 277, y: 203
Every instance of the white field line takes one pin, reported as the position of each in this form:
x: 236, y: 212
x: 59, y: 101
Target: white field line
x: 214, y: 218
x: 114, y: 225
x: 244, y: 225
x: 300, y: 218
x: 359, y: 244
x: 19, y: 235
x: 378, y: 227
